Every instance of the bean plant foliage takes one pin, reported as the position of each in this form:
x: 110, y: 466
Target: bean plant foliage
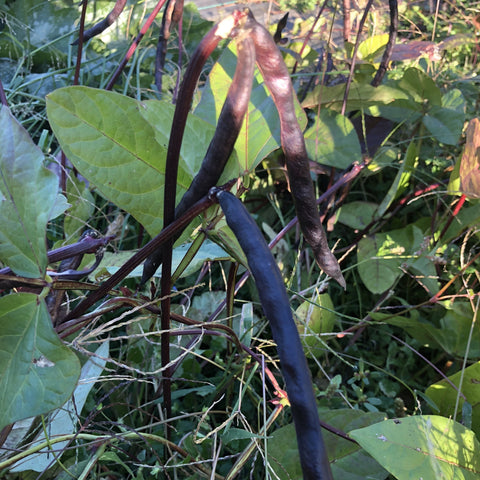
x: 246, y: 248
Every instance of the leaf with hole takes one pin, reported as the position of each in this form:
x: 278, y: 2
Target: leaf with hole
x: 425, y: 446
x: 37, y: 371
x: 63, y: 421
x: 347, y: 460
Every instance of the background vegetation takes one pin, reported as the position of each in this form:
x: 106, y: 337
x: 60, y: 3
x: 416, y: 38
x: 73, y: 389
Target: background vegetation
x: 400, y: 208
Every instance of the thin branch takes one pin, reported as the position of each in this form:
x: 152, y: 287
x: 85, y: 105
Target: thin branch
x: 392, y: 37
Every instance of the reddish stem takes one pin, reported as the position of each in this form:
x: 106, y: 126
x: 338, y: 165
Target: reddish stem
x: 455, y: 212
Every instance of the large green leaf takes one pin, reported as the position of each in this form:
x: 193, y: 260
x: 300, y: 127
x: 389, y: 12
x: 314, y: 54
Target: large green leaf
x: 418, y: 85
x: 443, y: 116
x: 119, y: 144
x: 27, y: 196
x: 260, y: 133
x: 428, y: 447
x: 347, y: 460
x: 419, y: 93
x: 332, y: 140
x: 198, y: 134
x: 64, y: 421
x: 445, y: 396
x: 37, y: 371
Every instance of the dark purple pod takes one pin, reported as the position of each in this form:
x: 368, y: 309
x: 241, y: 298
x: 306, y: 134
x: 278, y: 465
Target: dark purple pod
x: 276, y: 306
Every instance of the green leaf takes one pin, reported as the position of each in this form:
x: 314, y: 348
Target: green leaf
x: 260, y: 133
x: 198, y: 134
x: 448, y: 328
x: 64, y: 420
x: 445, y: 396
x: 120, y: 144
x: 37, y: 371
x: 245, y: 326
x: 456, y: 325
x: 419, y: 95
x: 378, y: 274
x: 347, y: 460
x: 46, y: 22
x: 383, y: 257
x: 223, y: 235
x: 360, y: 96
x: 419, y: 86
x: 402, y: 110
x: 238, y: 434
x: 28, y: 192
x: 314, y: 317
x: 357, y: 215
x: 59, y: 207
x: 402, y: 179
x: 372, y: 47
x: 422, y: 447
x: 444, y: 124
x: 465, y: 219
x: 332, y: 140
x: 209, y: 251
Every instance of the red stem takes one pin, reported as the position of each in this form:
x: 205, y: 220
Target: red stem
x: 455, y: 212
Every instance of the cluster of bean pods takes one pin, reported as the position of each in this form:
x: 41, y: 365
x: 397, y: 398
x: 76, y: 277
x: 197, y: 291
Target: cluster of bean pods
x: 255, y: 45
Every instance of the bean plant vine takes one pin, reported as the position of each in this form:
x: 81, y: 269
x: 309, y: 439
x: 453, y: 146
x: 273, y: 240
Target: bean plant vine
x: 239, y: 249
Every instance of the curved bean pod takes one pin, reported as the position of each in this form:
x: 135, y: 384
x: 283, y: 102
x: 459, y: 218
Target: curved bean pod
x: 276, y: 306
x: 221, y: 146
x: 277, y: 79
x: 228, y: 127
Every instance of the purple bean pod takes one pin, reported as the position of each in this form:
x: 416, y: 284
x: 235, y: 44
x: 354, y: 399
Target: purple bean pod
x: 221, y: 146
x: 277, y: 79
x: 276, y: 306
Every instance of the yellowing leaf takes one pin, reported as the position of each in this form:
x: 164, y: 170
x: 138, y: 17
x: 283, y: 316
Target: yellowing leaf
x: 470, y: 162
